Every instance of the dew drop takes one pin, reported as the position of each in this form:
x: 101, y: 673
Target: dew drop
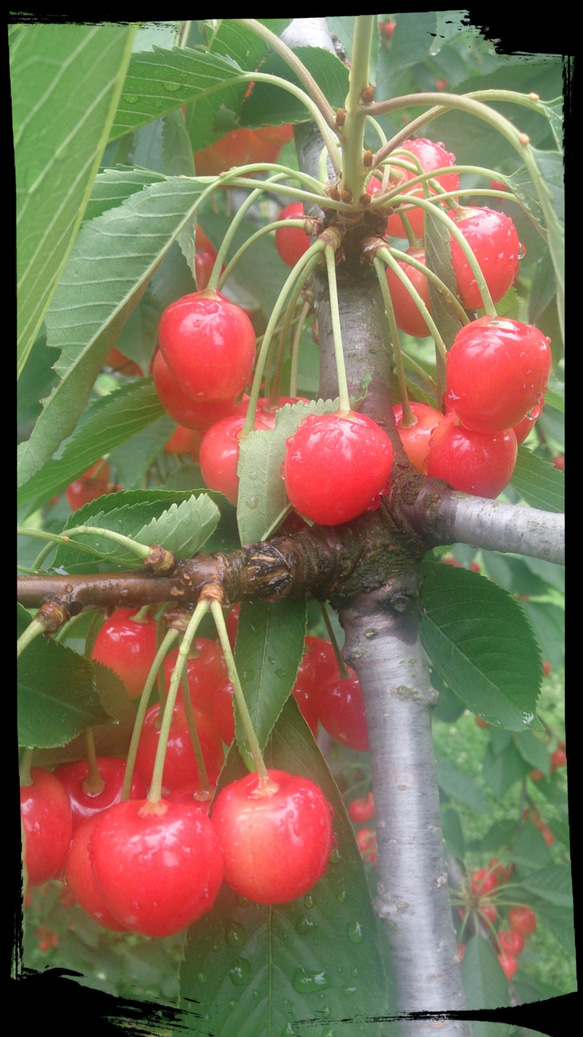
x: 234, y: 934
x: 172, y: 86
x: 355, y: 933
x: 240, y: 972
x: 305, y: 925
x: 305, y: 981
x: 308, y: 901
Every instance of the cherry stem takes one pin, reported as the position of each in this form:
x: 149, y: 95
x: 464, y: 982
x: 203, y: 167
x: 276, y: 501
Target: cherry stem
x: 167, y: 642
x: 293, y: 378
x: 34, y: 628
x: 353, y: 171
x: 302, y: 269
x: 93, y: 784
x: 343, y: 394
x: 25, y: 765
x: 387, y: 257
x: 395, y: 337
x: 342, y: 667
x: 155, y: 790
x: 239, y: 696
x: 193, y: 732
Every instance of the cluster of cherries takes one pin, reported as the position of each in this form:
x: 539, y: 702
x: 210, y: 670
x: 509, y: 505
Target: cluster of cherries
x: 154, y: 867
x: 510, y: 933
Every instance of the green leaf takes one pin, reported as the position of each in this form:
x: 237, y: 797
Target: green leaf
x: 108, y: 271
x: 181, y: 522
x: 484, y: 982
x: 262, y: 499
x: 502, y: 769
x: 268, y: 105
x: 255, y: 969
x: 533, y: 751
x: 458, y: 785
x: 480, y: 641
x: 538, y: 482
x: 65, y: 84
x: 552, y: 884
x: 109, y: 421
x: 268, y: 650
x: 57, y: 692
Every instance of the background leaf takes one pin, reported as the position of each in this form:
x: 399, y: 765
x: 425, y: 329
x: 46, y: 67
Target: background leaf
x: 479, y: 640
x: 65, y: 84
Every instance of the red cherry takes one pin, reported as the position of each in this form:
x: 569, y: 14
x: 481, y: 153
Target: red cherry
x: 233, y: 149
x: 360, y: 809
x: 483, y: 881
x: 179, y: 763
x: 341, y: 712
x: 186, y: 412
x: 336, y: 466
x: 89, y: 486
x: 509, y: 965
x: 416, y: 438
x: 430, y: 156
x: 85, y: 802
x: 493, y: 238
x: 127, y: 645
x: 497, y: 371
x: 471, y: 461
x: 158, y: 865
x: 511, y: 942
x: 276, y: 840
x: 47, y: 824
x: 80, y: 879
x: 184, y: 441
x: 558, y: 759
x: 489, y: 911
x: 206, y: 668
x: 407, y: 315
x: 523, y: 920
x: 525, y: 427
x: 119, y: 362
x: 276, y: 134
x: 367, y: 844
x: 291, y: 242
x: 387, y: 29
x: 208, y: 344
x: 219, y: 453
x: 223, y: 711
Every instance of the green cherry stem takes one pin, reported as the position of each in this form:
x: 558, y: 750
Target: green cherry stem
x: 252, y: 740
x: 205, y: 787
x: 353, y: 172
x: 343, y: 393
x: 155, y: 791
x: 93, y: 784
x: 379, y: 266
x: 167, y: 642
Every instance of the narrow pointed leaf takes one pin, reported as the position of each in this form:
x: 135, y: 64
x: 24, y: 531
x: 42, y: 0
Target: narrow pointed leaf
x: 65, y: 84
x: 114, y: 257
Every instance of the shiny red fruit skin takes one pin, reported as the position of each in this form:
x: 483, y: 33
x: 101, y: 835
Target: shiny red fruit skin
x: 208, y: 344
x: 430, y: 156
x: 511, y: 942
x: 523, y: 919
x: 159, y: 870
x: 89, y: 486
x: 47, y: 824
x: 337, y: 466
x: 184, y: 441
x: 493, y: 238
x: 79, y: 877
x: 483, y: 881
x: 224, y: 711
x: 497, y: 371
x: 206, y: 668
x: 416, y: 438
x: 236, y: 148
x: 85, y: 804
x: 128, y: 647
x: 276, y: 847
x: 179, y: 763
x: 360, y: 810
x: 341, y: 712
x: 472, y: 462
x: 291, y: 242
x: 509, y: 965
x: 186, y: 412
x: 219, y: 454
x: 407, y: 314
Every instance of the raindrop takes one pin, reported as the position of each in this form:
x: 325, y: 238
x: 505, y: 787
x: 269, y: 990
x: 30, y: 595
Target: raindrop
x: 305, y: 925
x: 240, y: 972
x: 234, y: 934
x: 308, y: 901
x: 305, y: 981
x: 172, y: 86
x: 355, y: 933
